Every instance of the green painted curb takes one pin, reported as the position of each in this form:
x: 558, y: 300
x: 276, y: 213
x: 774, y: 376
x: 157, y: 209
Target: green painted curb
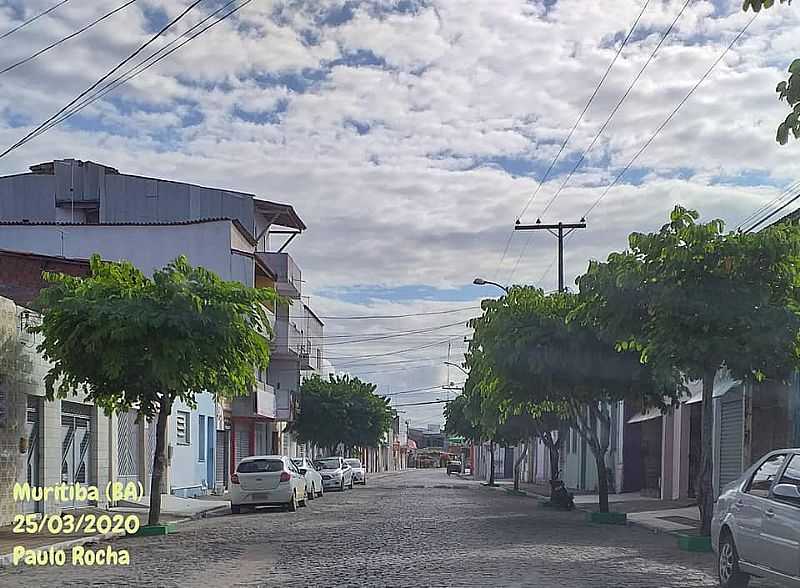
x: 694, y: 543
x: 607, y: 518
x: 156, y: 530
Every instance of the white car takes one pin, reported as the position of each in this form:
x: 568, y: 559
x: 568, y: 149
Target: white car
x: 755, y: 531
x: 267, y: 480
x: 313, y: 477
x: 359, y: 471
x: 335, y: 472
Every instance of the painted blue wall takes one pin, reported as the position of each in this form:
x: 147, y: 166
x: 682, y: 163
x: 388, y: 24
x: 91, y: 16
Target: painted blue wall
x: 188, y: 474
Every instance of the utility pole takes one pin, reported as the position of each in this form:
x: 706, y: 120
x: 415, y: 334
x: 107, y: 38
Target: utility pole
x: 557, y: 230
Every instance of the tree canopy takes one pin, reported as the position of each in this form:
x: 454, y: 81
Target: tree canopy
x: 788, y: 90
x: 342, y: 410
x: 132, y: 342
x: 696, y: 299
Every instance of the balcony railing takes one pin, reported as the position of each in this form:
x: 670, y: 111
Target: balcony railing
x: 260, y: 403
x: 288, y: 275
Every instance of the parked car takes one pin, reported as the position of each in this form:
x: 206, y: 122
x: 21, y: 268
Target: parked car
x: 313, y: 477
x: 453, y: 467
x: 359, y: 471
x: 267, y: 480
x: 335, y: 473
x: 755, y: 530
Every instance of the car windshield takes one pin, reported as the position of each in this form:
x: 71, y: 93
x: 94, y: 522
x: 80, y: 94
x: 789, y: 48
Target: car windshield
x: 353, y: 463
x: 298, y: 462
x: 328, y: 464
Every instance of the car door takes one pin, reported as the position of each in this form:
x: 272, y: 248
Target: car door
x: 780, y: 529
x: 298, y: 479
x: 749, y: 510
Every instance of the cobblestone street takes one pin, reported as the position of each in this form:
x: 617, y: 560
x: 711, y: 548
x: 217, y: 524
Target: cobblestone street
x: 415, y: 528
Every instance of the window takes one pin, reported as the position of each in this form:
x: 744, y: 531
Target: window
x: 792, y: 473
x: 201, y: 437
x: 182, y: 425
x: 293, y: 467
x: 260, y: 466
x: 765, y: 475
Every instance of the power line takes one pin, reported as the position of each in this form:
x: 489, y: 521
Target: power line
x: 420, y: 347
x: 390, y: 335
x: 144, y: 65
x: 617, y: 107
x: 33, y: 18
x: 769, y: 216
x: 753, y: 215
x: 422, y: 403
x: 130, y: 57
x: 672, y: 114
x: 575, y: 126
x: 394, y: 316
x: 67, y: 38
x: 417, y: 390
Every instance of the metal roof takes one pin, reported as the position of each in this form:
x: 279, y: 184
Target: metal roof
x: 283, y: 215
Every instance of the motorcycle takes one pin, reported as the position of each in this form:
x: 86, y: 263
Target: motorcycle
x: 560, y: 496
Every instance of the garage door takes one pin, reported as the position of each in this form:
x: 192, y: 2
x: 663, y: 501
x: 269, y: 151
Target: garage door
x: 242, y: 440
x: 731, y: 437
x: 128, y: 439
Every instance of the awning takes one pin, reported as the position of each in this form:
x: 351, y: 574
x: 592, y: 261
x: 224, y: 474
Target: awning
x: 723, y: 383
x: 282, y: 215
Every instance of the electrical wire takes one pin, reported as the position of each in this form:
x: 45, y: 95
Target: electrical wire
x: 616, y: 108
x: 67, y: 38
x: 789, y: 191
x: 769, y: 216
x: 422, y: 403
x: 672, y: 114
x: 33, y: 18
x: 389, y: 335
x: 143, y: 66
x: 574, y: 127
x: 394, y: 316
x: 113, y: 70
x: 397, y: 352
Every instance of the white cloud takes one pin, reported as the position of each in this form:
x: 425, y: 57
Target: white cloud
x: 414, y: 201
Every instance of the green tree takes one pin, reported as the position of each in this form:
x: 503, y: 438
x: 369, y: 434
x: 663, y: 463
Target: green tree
x: 456, y: 421
x: 129, y: 341
x: 342, y: 411
x: 549, y: 340
x: 698, y: 300
x: 788, y: 90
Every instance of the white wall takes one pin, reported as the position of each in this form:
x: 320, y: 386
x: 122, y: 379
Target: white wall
x: 149, y: 247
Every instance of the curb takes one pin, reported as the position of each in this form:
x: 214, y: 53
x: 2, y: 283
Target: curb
x: 6, y: 559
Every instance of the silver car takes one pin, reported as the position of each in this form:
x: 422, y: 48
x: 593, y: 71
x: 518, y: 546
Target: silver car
x: 756, y: 526
x: 359, y: 471
x: 336, y: 474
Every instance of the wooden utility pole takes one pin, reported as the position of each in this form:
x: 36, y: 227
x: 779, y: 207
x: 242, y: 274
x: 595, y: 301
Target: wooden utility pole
x: 557, y: 230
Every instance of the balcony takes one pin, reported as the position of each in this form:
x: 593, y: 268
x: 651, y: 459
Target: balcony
x: 260, y: 403
x: 287, y: 273
x: 288, y: 341
x: 284, y: 406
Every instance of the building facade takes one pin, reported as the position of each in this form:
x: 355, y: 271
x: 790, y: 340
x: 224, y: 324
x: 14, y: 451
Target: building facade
x: 71, y: 208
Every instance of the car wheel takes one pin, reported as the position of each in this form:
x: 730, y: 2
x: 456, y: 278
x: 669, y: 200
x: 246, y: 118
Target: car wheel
x: 235, y: 509
x: 730, y: 576
x: 364, y: 481
x: 293, y: 503
x: 341, y: 487
x: 319, y: 493
x: 351, y: 483
x: 310, y: 495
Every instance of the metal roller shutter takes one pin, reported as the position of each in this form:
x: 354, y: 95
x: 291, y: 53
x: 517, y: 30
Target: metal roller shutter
x: 731, y: 437
x: 242, y: 441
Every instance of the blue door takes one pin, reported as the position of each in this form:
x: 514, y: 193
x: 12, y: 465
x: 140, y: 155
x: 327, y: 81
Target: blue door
x: 210, y: 437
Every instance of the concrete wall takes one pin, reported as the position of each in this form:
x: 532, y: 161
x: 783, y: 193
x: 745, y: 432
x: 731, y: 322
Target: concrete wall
x: 148, y: 247
x: 187, y: 474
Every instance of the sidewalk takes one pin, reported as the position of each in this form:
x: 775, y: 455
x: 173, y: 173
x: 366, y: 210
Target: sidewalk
x: 664, y: 516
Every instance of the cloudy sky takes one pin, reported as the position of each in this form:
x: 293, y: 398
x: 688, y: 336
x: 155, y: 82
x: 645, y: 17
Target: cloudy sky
x: 410, y: 135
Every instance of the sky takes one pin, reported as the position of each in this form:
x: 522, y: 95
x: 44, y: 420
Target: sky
x: 411, y: 134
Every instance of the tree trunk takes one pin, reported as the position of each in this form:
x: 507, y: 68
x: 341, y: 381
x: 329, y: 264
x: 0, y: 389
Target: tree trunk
x: 518, y: 466
x: 491, y: 469
x: 705, y: 479
x: 159, y: 461
x: 602, y: 480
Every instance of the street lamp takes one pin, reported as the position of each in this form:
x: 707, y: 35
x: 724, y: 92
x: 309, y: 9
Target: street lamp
x: 454, y: 364
x: 482, y: 282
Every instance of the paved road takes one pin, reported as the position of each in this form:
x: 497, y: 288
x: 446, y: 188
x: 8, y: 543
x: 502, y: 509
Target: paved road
x: 415, y: 528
